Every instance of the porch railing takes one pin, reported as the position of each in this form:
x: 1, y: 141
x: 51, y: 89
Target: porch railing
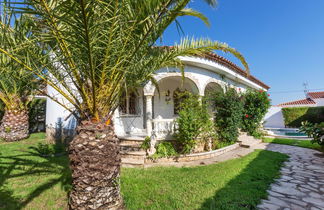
x: 163, y: 128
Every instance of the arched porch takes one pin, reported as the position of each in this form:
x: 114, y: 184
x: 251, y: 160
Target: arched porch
x: 160, y: 110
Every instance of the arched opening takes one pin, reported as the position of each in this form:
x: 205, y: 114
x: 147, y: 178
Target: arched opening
x: 165, y: 101
x: 211, y: 89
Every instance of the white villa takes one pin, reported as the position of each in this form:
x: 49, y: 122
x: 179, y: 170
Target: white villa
x: 150, y: 113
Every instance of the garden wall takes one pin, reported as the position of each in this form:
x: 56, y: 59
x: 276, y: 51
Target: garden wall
x: 295, y: 115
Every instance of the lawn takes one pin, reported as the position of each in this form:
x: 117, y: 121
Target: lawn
x: 28, y: 181
x: 294, y: 142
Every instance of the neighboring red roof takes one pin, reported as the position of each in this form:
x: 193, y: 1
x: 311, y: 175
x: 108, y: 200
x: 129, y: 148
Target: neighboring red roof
x: 306, y: 101
x: 316, y: 95
x: 237, y: 69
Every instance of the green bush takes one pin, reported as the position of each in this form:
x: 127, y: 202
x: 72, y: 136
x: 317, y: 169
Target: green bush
x: 314, y: 131
x: 48, y: 150
x: 164, y: 149
x: 256, y: 104
x: 294, y: 116
x: 228, y: 115
x: 193, y: 122
x: 37, y: 114
x: 146, y: 143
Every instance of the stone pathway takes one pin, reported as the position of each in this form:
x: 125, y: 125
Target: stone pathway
x: 301, y: 185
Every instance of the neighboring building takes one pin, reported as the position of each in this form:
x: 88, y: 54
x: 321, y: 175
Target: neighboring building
x: 274, y: 117
x: 147, y: 112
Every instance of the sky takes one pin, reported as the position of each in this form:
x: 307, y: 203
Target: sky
x: 282, y: 40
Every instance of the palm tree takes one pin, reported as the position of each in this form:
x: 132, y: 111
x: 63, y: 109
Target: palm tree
x: 96, y: 50
x: 17, y: 86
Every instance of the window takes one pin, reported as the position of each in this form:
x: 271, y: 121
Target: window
x: 130, y: 104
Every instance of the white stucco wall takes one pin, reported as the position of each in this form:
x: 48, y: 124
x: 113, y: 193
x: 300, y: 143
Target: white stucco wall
x: 56, y: 115
x: 319, y: 102
x: 200, y: 71
x: 274, y: 118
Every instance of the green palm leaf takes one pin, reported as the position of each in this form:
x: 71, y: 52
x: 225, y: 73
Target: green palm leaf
x: 93, y: 51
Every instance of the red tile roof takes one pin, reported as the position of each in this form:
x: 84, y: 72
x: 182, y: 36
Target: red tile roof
x: 223, y: 61
x: 306, y: 101
x: 315, y: 95
x: 229, y: 64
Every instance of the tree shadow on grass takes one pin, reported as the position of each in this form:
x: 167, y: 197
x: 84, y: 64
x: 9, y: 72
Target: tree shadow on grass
x: 247, y: 189
x: 31, y: 163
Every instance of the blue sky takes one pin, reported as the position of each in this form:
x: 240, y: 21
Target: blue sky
x: 282, y: 40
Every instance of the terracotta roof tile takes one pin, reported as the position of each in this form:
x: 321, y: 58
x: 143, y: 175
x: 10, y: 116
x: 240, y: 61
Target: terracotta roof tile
x: 306, y: 101
x: 223, y: 61
x: 316, y: 95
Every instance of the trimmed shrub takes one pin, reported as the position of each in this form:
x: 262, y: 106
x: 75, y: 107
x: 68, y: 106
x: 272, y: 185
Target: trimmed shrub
x: 193, y: 121
x: 294, y: 116
x: 228, y: 115
x: 256, y: 104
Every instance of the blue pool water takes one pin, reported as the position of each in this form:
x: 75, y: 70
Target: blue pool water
x: 286, y: 132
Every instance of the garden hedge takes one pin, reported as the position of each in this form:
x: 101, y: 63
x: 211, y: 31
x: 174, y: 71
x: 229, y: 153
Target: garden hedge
x: 295, y: 115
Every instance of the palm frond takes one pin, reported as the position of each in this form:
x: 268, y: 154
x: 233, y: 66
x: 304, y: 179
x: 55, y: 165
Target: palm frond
x: 93, y: 51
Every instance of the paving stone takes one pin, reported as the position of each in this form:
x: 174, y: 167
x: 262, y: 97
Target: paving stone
x: 315, y: 201
x: 315, y: 195
x: 268, y: 206
x: 275, y: 194
x: 301, y: 185
x: 314, y: 208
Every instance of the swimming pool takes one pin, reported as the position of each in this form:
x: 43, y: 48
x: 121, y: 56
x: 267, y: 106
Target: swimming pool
x: 289, y: 132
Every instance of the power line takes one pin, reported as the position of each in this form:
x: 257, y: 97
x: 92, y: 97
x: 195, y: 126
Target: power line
x: 293, y: 91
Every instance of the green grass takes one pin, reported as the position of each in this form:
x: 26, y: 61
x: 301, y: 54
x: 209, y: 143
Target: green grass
x: 235, y: 184
x: 294, y: 142
x: 28, y: 181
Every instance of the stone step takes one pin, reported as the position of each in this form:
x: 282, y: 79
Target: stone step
x: 131, y: 142
x: 249, y: 143
x: 133, y: 154
x: 126, y: 147
x: 132, y: 162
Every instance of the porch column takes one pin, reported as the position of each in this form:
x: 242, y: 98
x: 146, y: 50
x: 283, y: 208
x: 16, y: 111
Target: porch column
x: 200, y: 98
x: 149, y: 115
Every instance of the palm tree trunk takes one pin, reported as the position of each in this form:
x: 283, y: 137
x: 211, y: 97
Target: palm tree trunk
x: 95, y: 163
x: 14, y: 125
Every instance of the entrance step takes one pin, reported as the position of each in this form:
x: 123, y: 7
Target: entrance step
x: 133, y: 154
x: 132, y: 162
x: 247, y: 141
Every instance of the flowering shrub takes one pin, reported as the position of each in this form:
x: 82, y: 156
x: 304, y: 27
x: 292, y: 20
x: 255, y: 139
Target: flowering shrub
x: 228, y: 115
x: 314, y: 131
x: 193, y: 121
x: 256, y: 105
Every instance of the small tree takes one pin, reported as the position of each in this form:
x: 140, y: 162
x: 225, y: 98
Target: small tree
x: 17, y: 86
x: 228, y: 114
x: 314, y: 131
x: 256, y: 105
x: 192, y: 122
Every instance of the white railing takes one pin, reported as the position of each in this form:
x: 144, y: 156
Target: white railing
x: 163, y: 128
